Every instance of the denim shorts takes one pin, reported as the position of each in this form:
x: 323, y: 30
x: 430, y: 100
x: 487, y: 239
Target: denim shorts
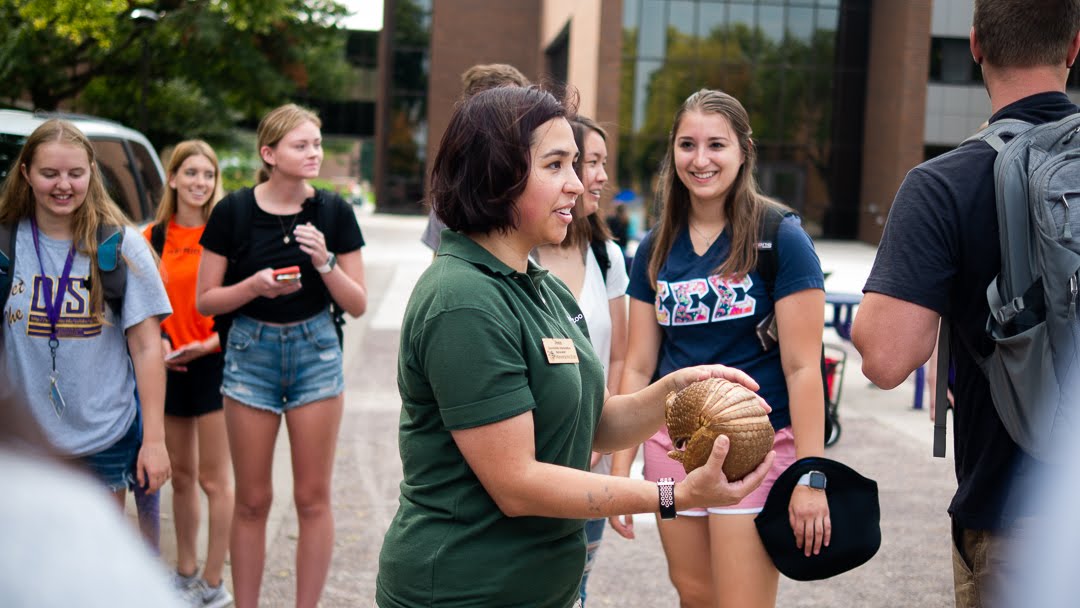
x: 115, y: 465
x: 280, y: 367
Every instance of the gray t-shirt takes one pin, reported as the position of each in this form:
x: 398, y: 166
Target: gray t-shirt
x: 96, y: 378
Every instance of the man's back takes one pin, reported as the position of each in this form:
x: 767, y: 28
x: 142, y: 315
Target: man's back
x: 940, y: 250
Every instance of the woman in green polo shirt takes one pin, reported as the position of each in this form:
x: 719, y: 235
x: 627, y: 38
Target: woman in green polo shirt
x: 502, y: 395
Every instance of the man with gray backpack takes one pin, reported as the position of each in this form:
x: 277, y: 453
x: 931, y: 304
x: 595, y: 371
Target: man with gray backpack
x: 982, y: 241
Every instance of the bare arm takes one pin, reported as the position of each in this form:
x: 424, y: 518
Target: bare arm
x: 346, y: 280
x: 894, y: 338
x: 214, y: 298
x: 503, y: 456
x: 617, y: 308
x: 800, y: 318
x: 643, y: 348
x: 144, y: 347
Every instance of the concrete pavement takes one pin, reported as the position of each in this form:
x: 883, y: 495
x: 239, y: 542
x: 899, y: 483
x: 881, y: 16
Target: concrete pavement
x: 883, y: 438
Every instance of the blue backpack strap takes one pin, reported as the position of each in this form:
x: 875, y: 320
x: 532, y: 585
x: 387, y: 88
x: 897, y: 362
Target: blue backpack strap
x: 110, y: 261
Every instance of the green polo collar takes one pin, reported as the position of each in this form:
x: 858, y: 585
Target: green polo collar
x: 458, y: 245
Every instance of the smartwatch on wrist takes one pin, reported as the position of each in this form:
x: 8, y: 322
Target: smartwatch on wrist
x: 666, y: 487
x: 331, y: 261
x: 814, y: 479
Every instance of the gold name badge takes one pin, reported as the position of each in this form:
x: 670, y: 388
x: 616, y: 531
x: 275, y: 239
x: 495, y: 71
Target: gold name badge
x: 560, y: 350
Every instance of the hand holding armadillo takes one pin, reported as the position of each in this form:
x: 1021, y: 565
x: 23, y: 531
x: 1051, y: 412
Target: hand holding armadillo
x: 706, y: 409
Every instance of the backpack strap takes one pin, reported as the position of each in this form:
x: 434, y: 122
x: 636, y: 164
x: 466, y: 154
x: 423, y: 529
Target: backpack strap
x: 157, y: 237
x: 111, y: 264
x: 768, y: 264
x: 599, y: 250
x: 327, y: 204
x: 941, y: 403
x: 7, y: 260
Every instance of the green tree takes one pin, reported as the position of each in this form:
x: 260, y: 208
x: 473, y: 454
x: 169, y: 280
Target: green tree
x: 210, y: 63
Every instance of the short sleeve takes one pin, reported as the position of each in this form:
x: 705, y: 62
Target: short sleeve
x: 476, y: 368
x: 799, y: 266
x: 617, y: 279
x: 144, y: 293
x: 217, y: 236
x: 640, y: 287
x: 347, y: 235
x: 915, y: 260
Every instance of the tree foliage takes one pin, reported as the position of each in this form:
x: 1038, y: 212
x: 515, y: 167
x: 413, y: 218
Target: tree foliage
x: 203, y: 66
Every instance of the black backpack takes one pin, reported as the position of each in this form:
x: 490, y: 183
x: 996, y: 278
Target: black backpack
x: 767, y: 266
x: 242, y: 215
x: 599, y: 249
x: 109, y: 259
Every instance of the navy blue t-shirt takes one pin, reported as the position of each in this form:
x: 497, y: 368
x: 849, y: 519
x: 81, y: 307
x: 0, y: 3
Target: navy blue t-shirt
x: 708, y: 319
x: 940, y: 250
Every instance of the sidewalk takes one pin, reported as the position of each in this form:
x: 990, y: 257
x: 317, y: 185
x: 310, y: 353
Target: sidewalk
x: 883, y: 438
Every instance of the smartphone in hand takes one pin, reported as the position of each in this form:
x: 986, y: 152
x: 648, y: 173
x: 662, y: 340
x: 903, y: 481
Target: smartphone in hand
x: 289, y: 274
x: 174, y: 354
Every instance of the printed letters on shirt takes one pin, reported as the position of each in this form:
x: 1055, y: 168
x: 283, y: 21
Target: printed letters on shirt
x: 703, y: 300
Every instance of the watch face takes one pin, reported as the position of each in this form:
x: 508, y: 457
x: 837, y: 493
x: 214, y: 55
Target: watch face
x: 817, y: 480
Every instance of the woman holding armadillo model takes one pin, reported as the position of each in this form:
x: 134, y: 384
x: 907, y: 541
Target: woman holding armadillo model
x: 698, y: 296
x: 503, y: 397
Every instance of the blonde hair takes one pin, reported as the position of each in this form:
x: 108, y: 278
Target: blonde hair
x: 98, y: 209
x: 745, y: 204
x: 183, y: 151
x: 275, y: 126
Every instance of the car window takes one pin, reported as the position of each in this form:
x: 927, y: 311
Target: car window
x: 10, y: 145
x: 119, y: 178
x: 148, y: 172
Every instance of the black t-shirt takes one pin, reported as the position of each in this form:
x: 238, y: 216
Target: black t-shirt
x: 940, y: 250
x: 266, y: 248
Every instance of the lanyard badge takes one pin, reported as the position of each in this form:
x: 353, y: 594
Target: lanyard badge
x: 52, y: 312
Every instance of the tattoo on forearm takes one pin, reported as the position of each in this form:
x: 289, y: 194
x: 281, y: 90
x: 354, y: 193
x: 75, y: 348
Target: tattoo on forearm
x: 597, y: 502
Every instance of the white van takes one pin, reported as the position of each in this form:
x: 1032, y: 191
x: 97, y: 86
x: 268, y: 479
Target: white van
x: 128, y: 162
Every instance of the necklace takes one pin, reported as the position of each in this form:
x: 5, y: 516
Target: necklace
x: 285, y: 233
x: 708, y: 240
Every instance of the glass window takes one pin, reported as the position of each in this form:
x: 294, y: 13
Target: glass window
x: 711, y: 19
x: 118, y: 177
x: 148, y: 173
x: 800, y: 25
x: 682, y: 16
x: 10, y: 146
x: 771, y: 23
x: 951, y: 63
x: 652, y: 36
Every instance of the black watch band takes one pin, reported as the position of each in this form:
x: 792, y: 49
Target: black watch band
x: 666, y: 487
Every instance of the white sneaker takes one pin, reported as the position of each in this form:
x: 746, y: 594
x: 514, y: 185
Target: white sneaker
x: 184, y: 583
x: 202, y: 595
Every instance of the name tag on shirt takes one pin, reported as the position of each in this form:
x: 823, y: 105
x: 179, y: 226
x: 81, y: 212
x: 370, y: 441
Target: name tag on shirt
x: 560, y: 350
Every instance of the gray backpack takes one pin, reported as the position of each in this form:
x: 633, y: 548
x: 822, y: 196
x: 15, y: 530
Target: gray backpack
x: 1033, y: 370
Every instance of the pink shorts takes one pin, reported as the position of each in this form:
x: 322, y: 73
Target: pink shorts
x: 658, y: 464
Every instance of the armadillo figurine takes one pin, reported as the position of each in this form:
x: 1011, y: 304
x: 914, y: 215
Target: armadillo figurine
x: 706, y: 409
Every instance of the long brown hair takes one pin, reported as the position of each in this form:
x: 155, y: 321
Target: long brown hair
x: 183, y: 151
x: 745, y: 204
x: 17, y: 199
x: 277, y: 125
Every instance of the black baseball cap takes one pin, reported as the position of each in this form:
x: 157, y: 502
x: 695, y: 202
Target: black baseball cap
x: 853, y: 510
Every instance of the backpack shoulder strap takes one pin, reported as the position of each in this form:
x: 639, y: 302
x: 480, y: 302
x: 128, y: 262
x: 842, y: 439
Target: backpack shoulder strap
x: 110, y: 262
x: 325, y: 210
x: 768, y: 264
x: 599, y: 249
x: 157, y: 237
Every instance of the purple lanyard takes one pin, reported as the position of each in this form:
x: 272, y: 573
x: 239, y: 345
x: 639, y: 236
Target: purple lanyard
x: 52, y: 307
